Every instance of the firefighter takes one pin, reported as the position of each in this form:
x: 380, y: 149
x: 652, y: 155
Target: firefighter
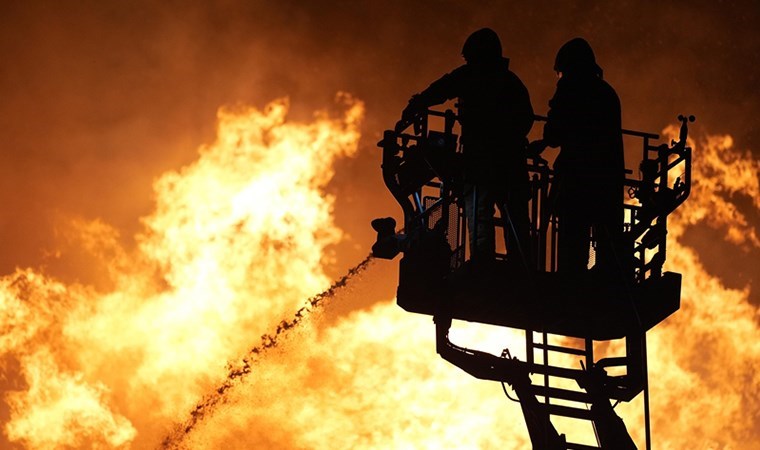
x: 584, y: 121
x: 496, y: 115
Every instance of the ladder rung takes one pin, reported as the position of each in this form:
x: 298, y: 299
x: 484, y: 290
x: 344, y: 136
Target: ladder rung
x: 569, y: 411
x: 554, y: 371
x: 563, y: 394
x: 557, y: 348
x: 574, y: 446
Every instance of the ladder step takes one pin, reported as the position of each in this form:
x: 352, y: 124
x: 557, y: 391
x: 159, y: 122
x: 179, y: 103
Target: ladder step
x: 563, y: 394
x: 569, y: 411
x: 557, y: 348
x: 574, y: 446
x: 561, y: 372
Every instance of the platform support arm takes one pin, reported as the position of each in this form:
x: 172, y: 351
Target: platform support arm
x: 610, y: 428
x: 486, y: 366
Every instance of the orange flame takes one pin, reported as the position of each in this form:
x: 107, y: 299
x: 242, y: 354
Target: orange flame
x: 114, y: 368
x: 374, y: 380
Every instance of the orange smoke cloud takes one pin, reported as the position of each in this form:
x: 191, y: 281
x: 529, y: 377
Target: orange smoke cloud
x: 237, y: 240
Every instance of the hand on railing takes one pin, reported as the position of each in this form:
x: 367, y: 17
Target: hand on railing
x: 411, y: 113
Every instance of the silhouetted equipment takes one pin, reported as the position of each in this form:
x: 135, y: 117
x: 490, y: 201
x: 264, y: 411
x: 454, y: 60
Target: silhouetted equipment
x: 560, y: 315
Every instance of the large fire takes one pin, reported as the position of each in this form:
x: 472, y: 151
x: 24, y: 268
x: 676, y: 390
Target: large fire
x: 238, y: 240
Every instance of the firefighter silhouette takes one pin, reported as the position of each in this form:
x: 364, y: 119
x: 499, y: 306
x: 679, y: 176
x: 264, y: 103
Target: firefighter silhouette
x: 496, y: 115
x: 584, y: 120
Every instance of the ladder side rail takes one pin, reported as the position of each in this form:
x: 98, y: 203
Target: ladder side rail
x: 535, y: 225
x: 547, y: 399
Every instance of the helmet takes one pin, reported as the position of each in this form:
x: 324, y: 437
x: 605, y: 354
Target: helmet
x: 576, y: 56
x: 482, y: 45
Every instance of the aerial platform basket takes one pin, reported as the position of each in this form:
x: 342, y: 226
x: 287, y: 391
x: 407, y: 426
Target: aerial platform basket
x: 421, y: 168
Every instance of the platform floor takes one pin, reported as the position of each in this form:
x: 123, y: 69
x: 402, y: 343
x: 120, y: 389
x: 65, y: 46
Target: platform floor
x: 583, y: 306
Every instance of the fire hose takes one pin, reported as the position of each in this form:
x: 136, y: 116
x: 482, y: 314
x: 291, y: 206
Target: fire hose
x: 238, y: 372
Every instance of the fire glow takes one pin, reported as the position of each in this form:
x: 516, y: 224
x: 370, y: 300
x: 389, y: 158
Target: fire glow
x: 238, y: 240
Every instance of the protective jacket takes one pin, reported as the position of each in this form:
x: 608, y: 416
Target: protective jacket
x: 496, y: 116
x: 584, y: 120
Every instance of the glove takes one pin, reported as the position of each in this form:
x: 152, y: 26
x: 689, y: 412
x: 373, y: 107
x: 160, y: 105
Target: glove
x: 414, y: 108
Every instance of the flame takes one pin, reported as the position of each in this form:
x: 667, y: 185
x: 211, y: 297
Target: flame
x: 239, y: 239
x: 374, y: 380
x: 703, y: 360
x: 721, y: 174
x: 114, y: 368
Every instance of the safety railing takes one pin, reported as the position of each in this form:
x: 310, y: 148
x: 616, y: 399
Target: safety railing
x: 422, y: 169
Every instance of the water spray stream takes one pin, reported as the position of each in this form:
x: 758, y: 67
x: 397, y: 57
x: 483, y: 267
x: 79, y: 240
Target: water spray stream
x: 238, y: 372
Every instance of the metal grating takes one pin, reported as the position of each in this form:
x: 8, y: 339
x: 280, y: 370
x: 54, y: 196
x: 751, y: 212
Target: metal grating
x: 435, y: 213
x: 592, y: 255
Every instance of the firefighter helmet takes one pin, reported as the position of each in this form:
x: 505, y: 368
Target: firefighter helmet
x: 482, y: 45
x: 576, y: 56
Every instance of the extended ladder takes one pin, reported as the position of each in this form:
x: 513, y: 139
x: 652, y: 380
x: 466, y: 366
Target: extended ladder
x: 568, y: 387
